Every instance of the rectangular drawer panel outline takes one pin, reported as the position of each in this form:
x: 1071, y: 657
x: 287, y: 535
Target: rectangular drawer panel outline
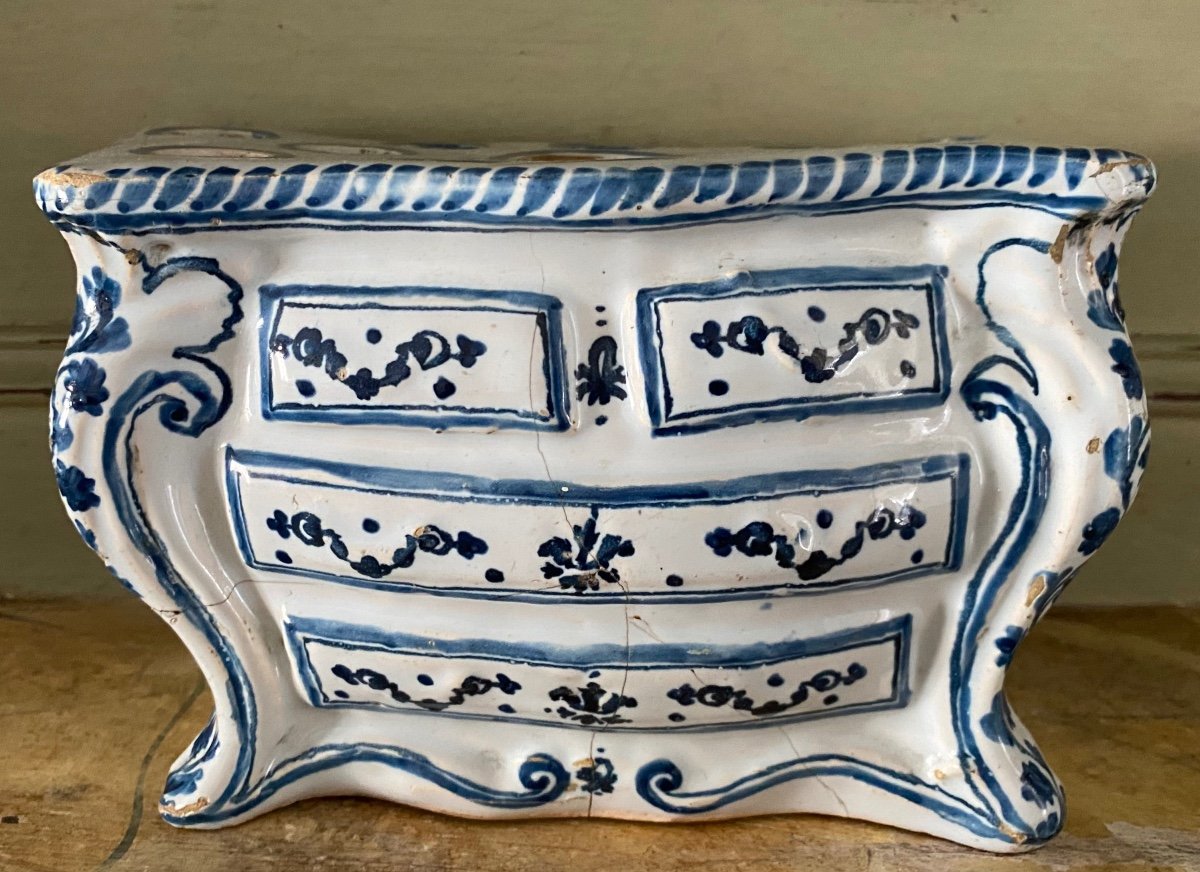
x: 666, y: 421
x: 546, y: 311
x: 822, y: 683
x: 244, y: 467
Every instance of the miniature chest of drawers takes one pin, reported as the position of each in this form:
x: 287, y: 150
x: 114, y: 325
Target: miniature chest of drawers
x: 660, y: 485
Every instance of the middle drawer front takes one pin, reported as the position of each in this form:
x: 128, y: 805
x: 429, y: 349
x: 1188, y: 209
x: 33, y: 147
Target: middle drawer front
x: 539, y: 540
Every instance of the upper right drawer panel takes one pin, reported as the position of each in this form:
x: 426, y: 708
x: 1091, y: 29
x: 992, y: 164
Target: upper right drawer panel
x: 786, y: 344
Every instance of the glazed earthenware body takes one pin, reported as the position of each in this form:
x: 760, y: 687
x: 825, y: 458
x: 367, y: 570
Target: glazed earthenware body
x: 660, y: 485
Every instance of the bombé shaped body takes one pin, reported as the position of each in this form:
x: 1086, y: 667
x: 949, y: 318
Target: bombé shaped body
x: 658, y: 485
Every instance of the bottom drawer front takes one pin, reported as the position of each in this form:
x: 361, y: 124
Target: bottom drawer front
x: 664, y: 686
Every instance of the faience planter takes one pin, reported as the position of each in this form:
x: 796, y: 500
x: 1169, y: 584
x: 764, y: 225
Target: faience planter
x: 519, y: 482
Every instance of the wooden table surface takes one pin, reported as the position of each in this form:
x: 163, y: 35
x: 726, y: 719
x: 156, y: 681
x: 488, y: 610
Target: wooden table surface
x: 98, y: 698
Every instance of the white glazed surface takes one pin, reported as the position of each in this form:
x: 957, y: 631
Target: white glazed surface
x: 622, y: 563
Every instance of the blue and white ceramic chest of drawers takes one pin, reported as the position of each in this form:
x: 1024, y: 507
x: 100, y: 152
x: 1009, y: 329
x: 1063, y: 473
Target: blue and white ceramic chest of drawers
x: 658, y: 485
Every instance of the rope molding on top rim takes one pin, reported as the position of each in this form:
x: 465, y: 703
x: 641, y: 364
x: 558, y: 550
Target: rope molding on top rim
x: 1062, y: 181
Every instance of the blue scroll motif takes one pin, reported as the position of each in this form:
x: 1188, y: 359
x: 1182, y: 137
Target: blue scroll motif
x: 720, y: 695
x: 188, y: 402
x: 472, y: 685
x: 990, y: 813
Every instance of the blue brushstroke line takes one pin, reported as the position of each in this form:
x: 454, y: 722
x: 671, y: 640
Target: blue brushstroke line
x: 580, y: 188
x: 820, y: 171
x: 216, y: 187
x: 436, y: 179
x: 399, y: 185
x: 680, y: 185
x: 136, y: 193
x: 250, y: 189
x: 789, y: 174
x: 329, y: 185
x: 1045, y: 165
x: 542, y: 185
x: 751, y: 176
x: 894, y: 168
x: 642, y: 183
x: 957, y: 164
x: 1014, y: 164
x: 363, y: 184
x: 856, y: 167
x: 928, y: 162
x: 288, y: 186
x: 714, y: 181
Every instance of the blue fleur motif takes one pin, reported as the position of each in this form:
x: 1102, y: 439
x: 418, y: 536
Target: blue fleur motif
x: 1126, y: 367
x: 85, y: 383
x: 94, y: 322
x: 598, y: 777
x: 76, y: 488
x: 1098, y: 530
x: 1008, y: 644
x: 591, y: 555
x: 1126, y: 450
x: 600, y: 379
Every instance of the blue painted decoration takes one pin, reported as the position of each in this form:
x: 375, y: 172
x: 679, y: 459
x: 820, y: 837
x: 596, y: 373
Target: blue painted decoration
x: 430, y: 539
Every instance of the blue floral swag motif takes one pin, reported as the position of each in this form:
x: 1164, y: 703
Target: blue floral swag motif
x: 749, y: 336
x: 426, y: 350
x: 759, y: 539
x: 472, y: 685
x: 428, y: 539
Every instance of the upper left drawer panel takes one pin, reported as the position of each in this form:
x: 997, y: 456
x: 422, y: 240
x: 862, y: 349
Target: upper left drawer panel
x: 413, y: 357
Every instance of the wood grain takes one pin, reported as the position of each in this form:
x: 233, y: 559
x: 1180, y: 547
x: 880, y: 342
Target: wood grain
x: 99, y: 698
